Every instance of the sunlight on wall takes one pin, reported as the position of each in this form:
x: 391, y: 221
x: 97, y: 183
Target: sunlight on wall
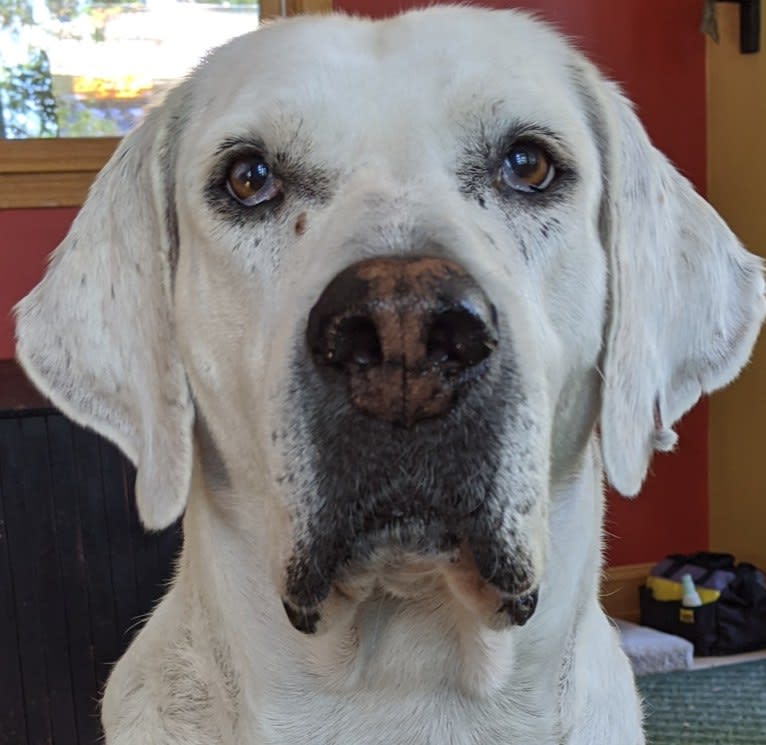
x: 737, y: 188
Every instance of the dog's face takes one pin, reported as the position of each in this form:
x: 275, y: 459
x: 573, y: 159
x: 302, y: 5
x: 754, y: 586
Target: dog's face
x: 379, y: 280
x: 454, y: 211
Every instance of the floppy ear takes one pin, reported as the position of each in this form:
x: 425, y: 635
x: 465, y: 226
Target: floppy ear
x: 686, y: 300
x: 96, y: 335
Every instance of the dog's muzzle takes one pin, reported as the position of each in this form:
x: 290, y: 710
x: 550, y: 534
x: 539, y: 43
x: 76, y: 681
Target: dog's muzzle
x: 406, y: 332
x: 404, y: 398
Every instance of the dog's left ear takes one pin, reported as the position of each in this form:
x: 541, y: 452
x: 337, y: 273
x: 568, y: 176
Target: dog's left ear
x: 97, y: 334
x: 686, y: 301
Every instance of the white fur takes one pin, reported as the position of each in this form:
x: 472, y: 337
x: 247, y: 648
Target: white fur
x: 633, y: 301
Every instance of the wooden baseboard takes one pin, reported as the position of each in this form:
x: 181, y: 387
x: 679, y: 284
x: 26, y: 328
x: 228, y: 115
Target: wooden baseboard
x: 619, y: 590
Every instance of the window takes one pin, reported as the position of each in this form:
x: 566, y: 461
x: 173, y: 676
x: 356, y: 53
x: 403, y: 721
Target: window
x: 76, y: 74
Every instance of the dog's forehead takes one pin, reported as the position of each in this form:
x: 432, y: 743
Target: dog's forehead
x: 354, y: 77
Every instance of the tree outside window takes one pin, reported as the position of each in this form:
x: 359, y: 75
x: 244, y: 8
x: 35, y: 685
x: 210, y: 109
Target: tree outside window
x: 76, y: 68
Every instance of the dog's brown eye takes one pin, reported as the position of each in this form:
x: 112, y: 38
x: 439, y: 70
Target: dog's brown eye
x: 527, y: 167
x: 251, y: 182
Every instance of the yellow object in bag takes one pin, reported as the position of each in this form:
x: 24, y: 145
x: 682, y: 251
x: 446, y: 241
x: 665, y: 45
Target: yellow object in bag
x: 667, y: 589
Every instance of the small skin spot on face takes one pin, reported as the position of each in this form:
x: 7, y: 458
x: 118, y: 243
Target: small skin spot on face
x: 300, y: 224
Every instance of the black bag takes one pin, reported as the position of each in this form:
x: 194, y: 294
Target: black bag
x: 734, y: 622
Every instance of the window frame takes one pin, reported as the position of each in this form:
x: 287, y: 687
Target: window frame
x: 57, y: 172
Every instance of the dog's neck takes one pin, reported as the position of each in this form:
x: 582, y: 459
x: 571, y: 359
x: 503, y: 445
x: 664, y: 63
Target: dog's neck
x: 423, y: 653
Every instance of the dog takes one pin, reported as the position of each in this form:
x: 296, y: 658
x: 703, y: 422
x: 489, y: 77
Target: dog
x: 370, y: 304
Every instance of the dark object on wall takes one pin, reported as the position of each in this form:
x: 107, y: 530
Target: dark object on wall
x: 734, y: 622
x: 749, y: 23
x: 77, y: 572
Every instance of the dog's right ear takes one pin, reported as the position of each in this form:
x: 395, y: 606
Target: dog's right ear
x: 97, y: 334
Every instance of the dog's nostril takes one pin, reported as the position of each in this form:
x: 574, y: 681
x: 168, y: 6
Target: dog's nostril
x: 458, y: 339
x: 354, y: 341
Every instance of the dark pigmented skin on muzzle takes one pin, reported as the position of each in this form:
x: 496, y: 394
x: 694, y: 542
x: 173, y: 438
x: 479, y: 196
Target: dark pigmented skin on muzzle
x: 302, y: 620
x: 360, y: 484
x: 395, y: 443
x: 520, y: 608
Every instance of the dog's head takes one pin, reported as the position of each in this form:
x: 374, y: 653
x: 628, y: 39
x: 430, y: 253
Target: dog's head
x: 380, y: 281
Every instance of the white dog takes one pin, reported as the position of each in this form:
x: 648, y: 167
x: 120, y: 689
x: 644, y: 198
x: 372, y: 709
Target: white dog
x: 355, y: 299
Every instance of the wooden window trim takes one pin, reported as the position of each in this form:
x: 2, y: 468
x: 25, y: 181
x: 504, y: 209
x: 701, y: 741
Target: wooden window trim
x: 58, y: 172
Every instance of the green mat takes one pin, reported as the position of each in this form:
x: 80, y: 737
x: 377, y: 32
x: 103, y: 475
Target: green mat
x: 716, y: 706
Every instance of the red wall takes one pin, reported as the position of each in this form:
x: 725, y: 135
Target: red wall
x: 26, y: 238
x: 654, y: 48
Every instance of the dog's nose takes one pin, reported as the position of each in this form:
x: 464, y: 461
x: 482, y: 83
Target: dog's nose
x: 407, y: 332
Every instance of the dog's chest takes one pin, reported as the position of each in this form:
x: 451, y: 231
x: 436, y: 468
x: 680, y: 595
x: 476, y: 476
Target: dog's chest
x: 441, y: 719
x: 415, y: 676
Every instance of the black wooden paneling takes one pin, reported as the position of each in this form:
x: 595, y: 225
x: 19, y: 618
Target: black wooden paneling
x: 95, y: 542
x: 117, y: 516
x: 13, y: 728
x: 77, y: 575
x: 74, y: 574
x: 41, y: 530
x: 22, y: 525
